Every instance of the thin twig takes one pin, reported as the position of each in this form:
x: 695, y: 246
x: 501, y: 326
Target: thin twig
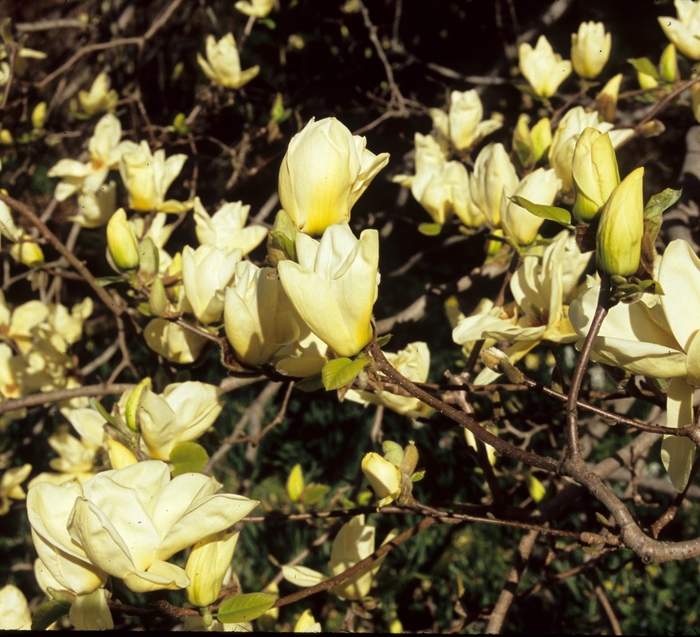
x: 58, y: 395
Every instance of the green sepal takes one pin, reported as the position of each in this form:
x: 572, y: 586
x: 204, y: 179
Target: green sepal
x: 393, y: 452
x: 310, y: 383
x: 417, y: 476
x: 632, y: 291
x: 553, y: 213
x: 383, y: 340
x: 430, y: 229
x: 244, y: 608
x: 104, y: 281
x: 644, y: 65
x: 661, y: 201
x: 188, y: 457
x: 50, y: 611
x: 99, y: 407
x: 314, y: 493
x: 342, y: 371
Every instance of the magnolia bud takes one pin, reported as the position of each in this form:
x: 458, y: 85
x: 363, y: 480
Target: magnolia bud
x: 157, y: 299
x: 594, y: 172
x: 122, y: 242
x: 39, y: 115
x: 668, y: 66
x: 148, y: 259
x: 619, y: 238
x: 384, y: 477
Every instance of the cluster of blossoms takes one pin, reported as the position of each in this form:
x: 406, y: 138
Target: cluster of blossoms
x: 309, y: 307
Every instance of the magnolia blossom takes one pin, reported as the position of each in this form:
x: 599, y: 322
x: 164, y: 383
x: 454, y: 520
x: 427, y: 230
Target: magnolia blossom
x: 127, y: 523
x: 561, y: 152
x: 684, y: 32
x: 99, y: 98
x: 657, y: 337
x: 540, y: 187
x: 14, y: 610
x: 182, y: 413
x: 206, y: 272
x: 223, y: 64
x: 413, y: 362
x: 542, y: 291
x: 147, y: 177
x: 542, y: 68
x: 384, y: 477
x: 105, y: 150
x: 325, y: 171
x: 258, y: 316
x: 494, y: 177
x: 96, y: 208
x: 334, y: 286
x: 172, y: 341
x: 590, y: 49
x: 354, y: 542
x: 10, y: 486
x: 255, y: 8
x: 464, y: 125
x: 207, y: 565
x: 225, y: 229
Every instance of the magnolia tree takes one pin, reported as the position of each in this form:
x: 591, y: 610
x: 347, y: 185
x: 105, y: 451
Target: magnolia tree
x: 175, y: 372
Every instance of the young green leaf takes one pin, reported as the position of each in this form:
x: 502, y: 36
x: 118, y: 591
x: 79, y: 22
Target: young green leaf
x: 188, y: 457
x: 244, y: 608
x: 342, y: 371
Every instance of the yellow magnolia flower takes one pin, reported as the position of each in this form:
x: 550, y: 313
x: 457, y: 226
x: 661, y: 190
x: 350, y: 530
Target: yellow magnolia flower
x: 121, y: 242
x: 684, y: 32
x: 207, y: 565
x: 334, y: 286
x: 225, y: 229
x: 223, y: 64
x: 175, y: 343
x: 561, y: 152
x: 414, y: 363
x: 307, y: 623
x: 127, y: 523
x: 14, y: 610
x: 10, y: 486
x: 542, y: 68
x: 384, y: 477
x: 95, y: 209
x: 325, y: 171
x: 99, y: 98
x: 464, y: 125
x: 540, y: 187
x: 255, y: 8
x: 494, y: 177
x: 542, y: 291
x: 354, y: 542
x: 621, y: 227
x: 147, y: 177
x: 182, y: 413
x: 105, y: 150
x: 657, y: 337
x: 590, y: 49
x: 258, y: 317
x: 206, y: 272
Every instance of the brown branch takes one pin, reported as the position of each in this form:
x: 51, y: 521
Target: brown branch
x: 503, y: 447
x: 574, y: 450
x: 334, y: 581
x: 63, y: 394
x: 111, y: 302
x: 605, y: 603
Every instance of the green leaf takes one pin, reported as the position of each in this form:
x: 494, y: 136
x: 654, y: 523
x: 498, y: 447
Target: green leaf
x: 417, y: 476
x: 342, y: 371
x: 560, y: 215
x: 644, y: 65
x: 104, y: 281
x: 188, y: 457
x: 49, y: 612
x: 383, y: 340
x: 661, y: 201
x: 314, y: 493
x: 430, y: 229
x: 310, y: 383
x: 244, y: 608
x: 393, y: 452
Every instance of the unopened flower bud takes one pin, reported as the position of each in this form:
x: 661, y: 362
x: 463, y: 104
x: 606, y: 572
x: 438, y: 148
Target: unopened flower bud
x: 595, y: 173
x: 122, y: 242
x: 619, y: 238
x: 590, y: 49
x: 131, y: 411
x: 606, y: 100
x: 158, y: 298
x: 668, y: 66
x: 148, y: 259
x: 384, y: 477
